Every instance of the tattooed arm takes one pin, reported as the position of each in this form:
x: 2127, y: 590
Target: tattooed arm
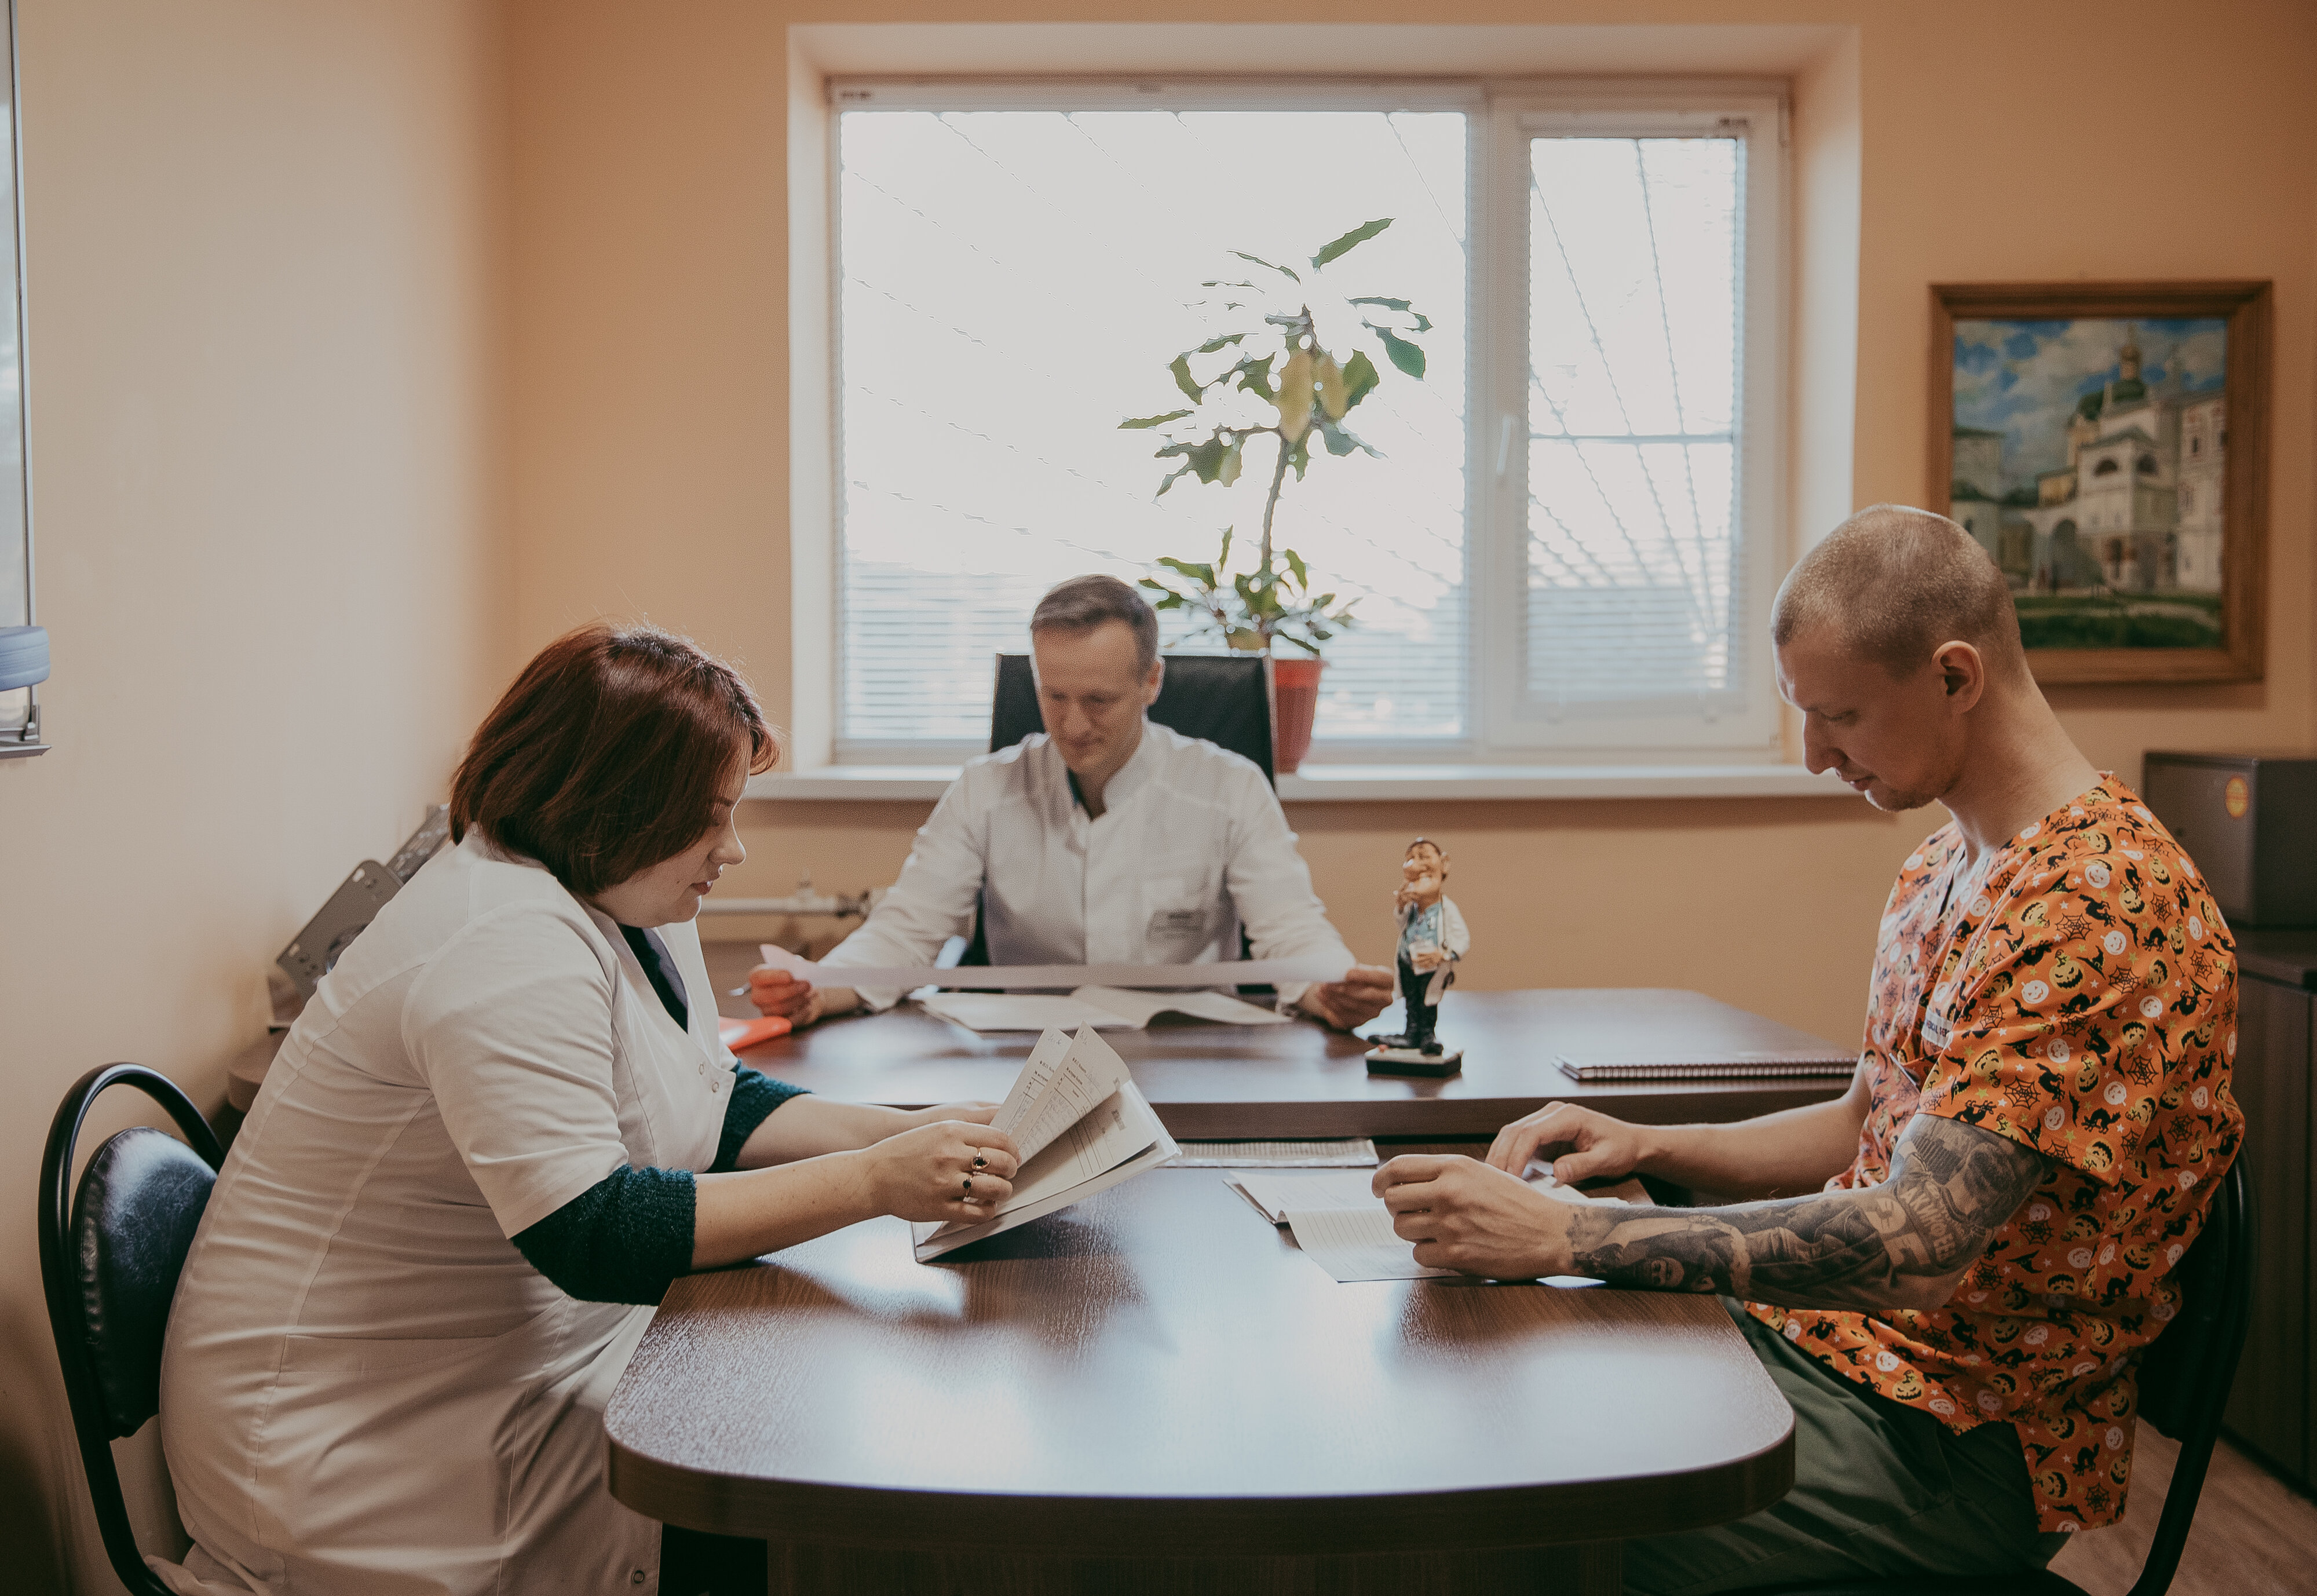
x: 1902, y: 1244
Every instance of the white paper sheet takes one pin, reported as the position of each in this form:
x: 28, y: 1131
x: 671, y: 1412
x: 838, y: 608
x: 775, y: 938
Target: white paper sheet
x: 1358, y: 1244
x: 1062, y: 1082
x: 1104, y: 1008
x: 1021, y: 1011
x: 1019, y: 977
x: 1355, y: 1153
x: 1274, y: 1193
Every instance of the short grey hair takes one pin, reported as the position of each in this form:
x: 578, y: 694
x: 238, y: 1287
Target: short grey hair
x: 1894, y: 583
x: 1084, y: 603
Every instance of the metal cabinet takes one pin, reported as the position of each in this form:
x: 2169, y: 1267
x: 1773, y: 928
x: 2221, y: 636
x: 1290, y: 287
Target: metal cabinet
x: 2272, y: 1409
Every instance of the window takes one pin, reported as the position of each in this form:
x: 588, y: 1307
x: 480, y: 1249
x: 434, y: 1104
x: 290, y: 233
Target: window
x: 1568, y: 540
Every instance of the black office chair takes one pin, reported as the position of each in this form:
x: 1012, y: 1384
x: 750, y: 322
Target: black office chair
x: 2184, y: 1381
x: 1224, y: 698
x: 110, y: 1251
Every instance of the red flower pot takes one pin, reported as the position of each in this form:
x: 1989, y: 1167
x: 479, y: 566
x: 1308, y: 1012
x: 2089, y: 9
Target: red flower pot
x: 1294, y: 701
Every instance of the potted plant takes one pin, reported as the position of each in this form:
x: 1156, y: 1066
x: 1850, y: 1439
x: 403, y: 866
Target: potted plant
x: 1275, y: 370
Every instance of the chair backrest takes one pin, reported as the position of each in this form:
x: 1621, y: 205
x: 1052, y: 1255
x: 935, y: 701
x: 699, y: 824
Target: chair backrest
x: 110, y: 1250
x: 1224, y: 698
x: 2186, y: 1371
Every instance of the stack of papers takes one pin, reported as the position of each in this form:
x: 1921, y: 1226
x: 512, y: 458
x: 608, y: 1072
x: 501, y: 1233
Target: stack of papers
x: 1081, y: 1125
x: 1104, y: 1008
x: 1350, y: 1152
x: 1341, y: 1225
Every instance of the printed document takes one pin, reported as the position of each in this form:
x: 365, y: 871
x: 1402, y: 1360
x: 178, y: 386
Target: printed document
x: 1104, y: 1008
x: 1081, y: 1125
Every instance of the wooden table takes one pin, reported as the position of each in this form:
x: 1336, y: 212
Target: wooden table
x: 1151, y: 1392
x: 1219, y: 1082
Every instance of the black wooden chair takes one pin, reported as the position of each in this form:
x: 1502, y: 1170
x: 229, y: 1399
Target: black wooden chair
x: 2184, y: 1382
x: 110, y: 1250
x: 1224, y: 698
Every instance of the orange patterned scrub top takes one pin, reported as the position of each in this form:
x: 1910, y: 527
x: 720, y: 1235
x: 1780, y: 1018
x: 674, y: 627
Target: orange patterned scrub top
x: 2076, y: 993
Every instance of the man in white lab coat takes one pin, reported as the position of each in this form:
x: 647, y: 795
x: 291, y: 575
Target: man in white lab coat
x: 1103, y: 839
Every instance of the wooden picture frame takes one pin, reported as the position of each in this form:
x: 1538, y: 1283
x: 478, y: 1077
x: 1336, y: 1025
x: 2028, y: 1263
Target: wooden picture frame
x: 2145, y: 571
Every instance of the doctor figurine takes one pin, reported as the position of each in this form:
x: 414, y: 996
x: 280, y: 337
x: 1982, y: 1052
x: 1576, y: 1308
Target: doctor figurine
x: 1432, y: 938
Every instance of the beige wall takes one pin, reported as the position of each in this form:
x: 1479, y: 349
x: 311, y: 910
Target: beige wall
x: 263, y: 262
x: 653, y: 409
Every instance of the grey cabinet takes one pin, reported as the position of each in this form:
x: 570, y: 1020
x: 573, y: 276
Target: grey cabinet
x: 2272, y: 1409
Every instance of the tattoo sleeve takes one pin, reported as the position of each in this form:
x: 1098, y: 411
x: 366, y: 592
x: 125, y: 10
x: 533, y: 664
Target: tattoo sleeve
x: 1901, y: 1245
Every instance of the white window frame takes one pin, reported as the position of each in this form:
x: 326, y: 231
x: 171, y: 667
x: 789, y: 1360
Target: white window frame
x: 1502, y: 116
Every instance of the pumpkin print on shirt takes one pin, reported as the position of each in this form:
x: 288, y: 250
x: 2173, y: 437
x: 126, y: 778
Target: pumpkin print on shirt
x: 2077, y: 994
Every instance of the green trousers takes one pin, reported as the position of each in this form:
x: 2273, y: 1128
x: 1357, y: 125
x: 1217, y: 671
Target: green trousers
x: 1881, y: 1490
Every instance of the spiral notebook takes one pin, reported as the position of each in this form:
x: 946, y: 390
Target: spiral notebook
x: 1807, y: 1065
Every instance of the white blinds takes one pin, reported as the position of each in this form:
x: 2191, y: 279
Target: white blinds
x: 1635, y: 581
x: 1014, y: 284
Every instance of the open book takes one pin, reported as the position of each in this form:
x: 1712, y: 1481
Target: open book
x: 1104, y: 1008
x: 1081, y: 1125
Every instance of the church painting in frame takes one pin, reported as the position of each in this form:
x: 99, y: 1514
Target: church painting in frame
x: 2104, y: 443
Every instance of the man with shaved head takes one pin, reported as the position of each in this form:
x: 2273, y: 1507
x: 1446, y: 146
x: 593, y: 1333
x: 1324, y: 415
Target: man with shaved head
x: 1950, y: 1271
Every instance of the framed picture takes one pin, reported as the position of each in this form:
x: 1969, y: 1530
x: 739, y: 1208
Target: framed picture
x: 2106, y: 443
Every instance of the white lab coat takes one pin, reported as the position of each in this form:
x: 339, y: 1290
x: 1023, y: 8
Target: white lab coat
x: 1192, y: 843
x: 366, y: 1389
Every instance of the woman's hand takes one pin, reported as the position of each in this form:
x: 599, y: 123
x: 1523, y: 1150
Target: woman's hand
x: 971, y: 1111
x: 777, y: 992
x: 1582, y: 1144
x: 950, y: 1169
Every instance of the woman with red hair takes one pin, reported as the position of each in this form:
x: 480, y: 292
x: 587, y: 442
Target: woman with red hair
x: 502, y: 1125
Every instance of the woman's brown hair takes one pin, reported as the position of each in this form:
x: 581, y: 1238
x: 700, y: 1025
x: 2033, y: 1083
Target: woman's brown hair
x: 608, y: 754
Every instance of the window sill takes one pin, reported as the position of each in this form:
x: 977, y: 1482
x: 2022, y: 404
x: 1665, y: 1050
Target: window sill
x: 1371, y: 784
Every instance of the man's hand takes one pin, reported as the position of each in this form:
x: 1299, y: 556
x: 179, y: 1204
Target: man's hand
x: 774, y: 991
x: 1581, y: 1144
x: 1364, y: 993
x: 1463, y: 1215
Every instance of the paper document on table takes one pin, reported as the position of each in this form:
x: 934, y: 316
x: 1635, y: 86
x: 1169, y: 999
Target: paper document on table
x: 1274, y: 1195
x: 1358, y: 1244
x: 1082, y: 1127
x: 1104, y: 1008
x: 1350, y: 1152
x: 1053, y: 977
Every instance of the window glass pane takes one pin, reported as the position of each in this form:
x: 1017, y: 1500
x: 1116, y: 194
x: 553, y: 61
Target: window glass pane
x: 1014, y: 283
x: 1635, y: 293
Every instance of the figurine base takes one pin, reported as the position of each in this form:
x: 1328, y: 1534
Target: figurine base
x: 1411, y: 1061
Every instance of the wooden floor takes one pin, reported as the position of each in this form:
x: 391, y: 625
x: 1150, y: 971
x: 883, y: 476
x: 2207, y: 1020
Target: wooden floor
x: 2254, y: 1535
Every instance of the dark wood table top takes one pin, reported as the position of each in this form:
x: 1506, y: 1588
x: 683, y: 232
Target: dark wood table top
x: 1224, y: 1082
x: 1155, y: 1369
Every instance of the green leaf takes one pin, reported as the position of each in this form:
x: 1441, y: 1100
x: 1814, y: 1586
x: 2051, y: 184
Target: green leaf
x: 1360, y: 378
x: 1423, y: 322
x: 1184, y: 568
x: 1259, y: 261
x: 1207, y: 459
x: 1372, y: 299
x: 1181, y: 367
x: 1289, y: 637
x: 1295, y: 564
x: 1225, y: 342
x: 1168, y: 480
x: 1339, y: 442
x: 1144, y: 421
x: 1404, y: 354
x: 1254, y: 378
x: 1226, y: 282
x: 1244, y: 637
x: 1299, y: 456
x: 1358, y: 236
x: 1222, y: 558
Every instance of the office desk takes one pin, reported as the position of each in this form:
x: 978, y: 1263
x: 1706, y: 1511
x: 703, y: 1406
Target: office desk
x: 1213, y: 1083
x: 1152, y: 1391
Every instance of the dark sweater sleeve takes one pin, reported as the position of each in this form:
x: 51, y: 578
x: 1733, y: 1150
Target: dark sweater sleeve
x: 755, y: 1095
x: 620, y: 1240
x: 626, y: 1237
